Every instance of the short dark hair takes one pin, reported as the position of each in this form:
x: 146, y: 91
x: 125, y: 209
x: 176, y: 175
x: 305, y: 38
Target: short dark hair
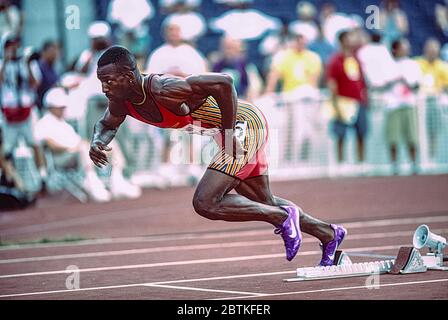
x: 376, y: 37
x: 342, y: 35
x: 396, y: 44
x: 119, y: 56
x: 48, y: 44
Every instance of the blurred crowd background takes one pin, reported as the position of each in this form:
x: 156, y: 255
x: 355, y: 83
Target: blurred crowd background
x: 349, y: 88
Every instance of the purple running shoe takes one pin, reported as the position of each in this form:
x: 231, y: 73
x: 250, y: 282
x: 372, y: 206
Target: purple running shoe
x: 329, y: 249
x: 290, y: 232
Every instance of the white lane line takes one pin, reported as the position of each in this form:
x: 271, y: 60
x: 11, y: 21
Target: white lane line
x: 400, y: 221
x: 206, y: 279
x: 237, y: 244
x: 174, y: 237
x: 237, y: 276
x: 191, y: 262
x: 334, y: 289
x: 203, y: 289
x: 70, y: 291
x: 146, y: 250
x: 225, y: 234
x: 144, y: 284
x: 89, y: 219
x: 367, y: 236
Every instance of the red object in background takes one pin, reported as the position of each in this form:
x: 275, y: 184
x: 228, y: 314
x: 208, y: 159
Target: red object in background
x: 352, y: 87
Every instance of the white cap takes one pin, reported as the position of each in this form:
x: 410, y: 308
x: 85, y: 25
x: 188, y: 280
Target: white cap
x: 306, y: 9
x: 70, y: 80
x: 56, y: 98
x: 99, y: 29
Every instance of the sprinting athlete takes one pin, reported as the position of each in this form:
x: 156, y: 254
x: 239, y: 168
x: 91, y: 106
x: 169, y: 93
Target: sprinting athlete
x: 208, y: 103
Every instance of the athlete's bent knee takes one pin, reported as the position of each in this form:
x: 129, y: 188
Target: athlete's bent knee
x: 204, y: 208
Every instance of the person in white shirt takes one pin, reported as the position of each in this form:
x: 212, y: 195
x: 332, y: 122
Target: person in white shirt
x: 191, y: 22
x: 176, y: 57
x: 67, y: 146
x: 306, y: 13
x: 401, y: 118
x: 180, y: 59
x: 131, y: 18
x: 243, y: 22
x: 19, y: 78
x: 99, y: 33
x: 378, y: 65
x: 11, y: 19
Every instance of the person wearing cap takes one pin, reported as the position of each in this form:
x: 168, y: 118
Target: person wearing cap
x: 67, y: 146
x: 18, y: 82
x: 99, y: 33
x: 306, y: 13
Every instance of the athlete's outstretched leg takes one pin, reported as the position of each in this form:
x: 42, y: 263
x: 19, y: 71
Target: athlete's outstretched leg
x: 213, y: 201
x: 331, y: 236
x: 257, y: 189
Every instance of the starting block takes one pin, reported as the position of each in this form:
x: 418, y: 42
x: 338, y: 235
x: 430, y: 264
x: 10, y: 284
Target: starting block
x: 408, y: 260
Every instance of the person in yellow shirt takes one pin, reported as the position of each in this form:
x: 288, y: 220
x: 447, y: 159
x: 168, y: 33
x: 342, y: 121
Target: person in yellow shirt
x: 435, y: 81
x: 294, y: 67
x: 299, y: 70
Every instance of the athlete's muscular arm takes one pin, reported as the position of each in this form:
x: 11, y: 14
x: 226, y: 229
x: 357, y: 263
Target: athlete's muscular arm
x: 220, y: 87
x: 173, y: 91
x: 103, y: 133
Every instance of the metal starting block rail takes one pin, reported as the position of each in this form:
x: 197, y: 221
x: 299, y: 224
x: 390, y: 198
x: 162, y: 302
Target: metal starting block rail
x: 408, y: 260
x: 343, y: 271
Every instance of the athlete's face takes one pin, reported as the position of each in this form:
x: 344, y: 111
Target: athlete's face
x: 115, y: 82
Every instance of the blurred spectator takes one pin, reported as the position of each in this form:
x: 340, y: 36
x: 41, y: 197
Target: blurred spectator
x: 294, y: 67
x: 180, y: 59
x: 333, y: 22
x: 348, y: 93
x: 322, y: 47
x: 192, y: 24
x: 444, y: 52
x: 170, y: 5
x: 48, y: 75
x: 233, y: 2
x: 17, y: 89
x: 435, y: 81
x: 305, y: 24
x: 378, y: 65
x: 393, y: 21
x: 131, y: 20
x: 325, y: 50
x: 244, y: 23
x: 67, y: 147
x: 13, y: 193
x: 11, y: 19
x: 8, y: 175
x: 299, y: 70
x: 175, y: 57
x: 441, y: 13
x: 401, y: 117
x: 233, y: 62
x: 99, y: 33
x: 276, y: 40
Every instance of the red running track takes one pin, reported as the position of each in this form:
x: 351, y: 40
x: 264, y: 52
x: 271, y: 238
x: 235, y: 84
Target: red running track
x: 156, y: 247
